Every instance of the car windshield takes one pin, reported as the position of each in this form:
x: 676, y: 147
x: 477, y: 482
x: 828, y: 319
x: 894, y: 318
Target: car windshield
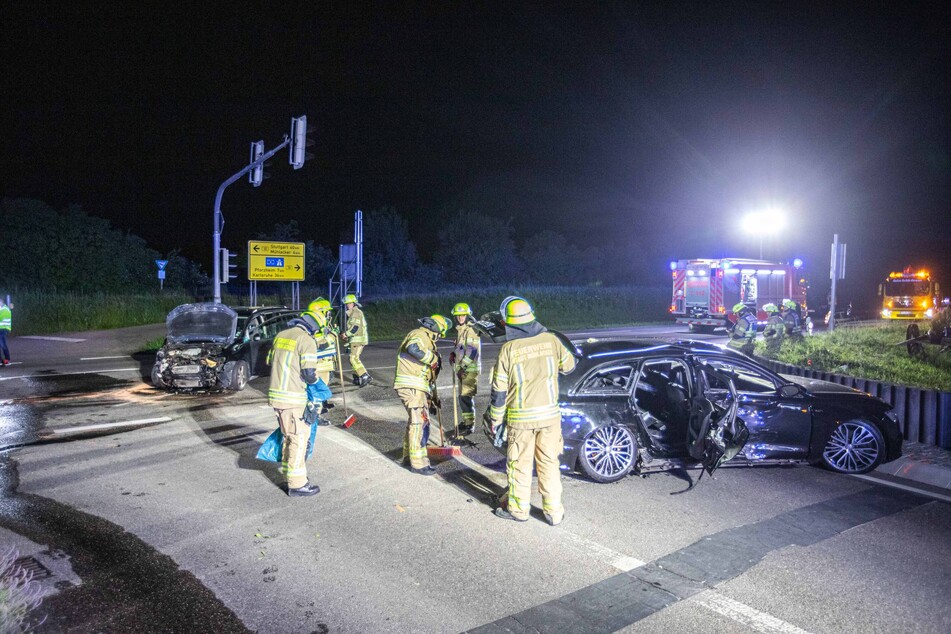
x: 194, y: 323
x: 906, y: 288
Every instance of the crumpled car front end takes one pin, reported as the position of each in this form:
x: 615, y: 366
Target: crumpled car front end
x: 195, y: 352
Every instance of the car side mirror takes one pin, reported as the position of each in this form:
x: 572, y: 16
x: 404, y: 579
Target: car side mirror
x: 790, y: 390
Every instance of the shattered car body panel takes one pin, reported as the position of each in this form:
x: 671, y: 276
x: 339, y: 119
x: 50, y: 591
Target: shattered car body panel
x: 214, y: 347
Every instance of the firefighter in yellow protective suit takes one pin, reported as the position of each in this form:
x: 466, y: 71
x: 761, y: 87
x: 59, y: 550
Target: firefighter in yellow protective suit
x: 326, y: 338
x: 466, y: 362
x: 775, y: 328
x: 743, y: 334
x: 417, y: 367
x: 524, y: 397
x: 357, y: 335
x: 294, y: 367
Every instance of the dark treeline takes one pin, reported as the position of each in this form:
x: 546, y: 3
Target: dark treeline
x: 70, y: 250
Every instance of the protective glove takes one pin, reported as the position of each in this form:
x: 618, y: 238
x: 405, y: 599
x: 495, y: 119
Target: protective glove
x: 452, y: 358
x: 311, y: 412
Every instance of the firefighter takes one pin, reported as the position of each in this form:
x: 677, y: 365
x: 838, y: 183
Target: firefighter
x: 358, y: 337
x: 775, y: 328
x: 294, y: 368
x: 417, y: 367
x: 744, y: 330
x: 790, y: 312
x: 466, y: 362
x: 326, y: 337
x: 524, y: 398
x: 6, y: 325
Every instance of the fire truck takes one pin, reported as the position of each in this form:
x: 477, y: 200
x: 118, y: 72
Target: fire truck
x: 705, y: 291
x: 909, y: 294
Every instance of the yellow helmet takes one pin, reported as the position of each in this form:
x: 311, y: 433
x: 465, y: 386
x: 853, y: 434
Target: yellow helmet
x: 318, y: 309
x: 351, y: 299
x: 738, y: 307
x: 517, y: 311
x: 443, y: 324
x: 461, y: 309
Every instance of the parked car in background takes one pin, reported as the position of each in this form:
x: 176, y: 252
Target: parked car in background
x: 213, y: 347
x: 641, y: 405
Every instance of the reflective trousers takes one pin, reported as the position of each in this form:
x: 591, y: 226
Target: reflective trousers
x: 542, y: 445
x: 468, y: 385
x: 294, y: 450
x: 417, y: 426
x: 355, y: 364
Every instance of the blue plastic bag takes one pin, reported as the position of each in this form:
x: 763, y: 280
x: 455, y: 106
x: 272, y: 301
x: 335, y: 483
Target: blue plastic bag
x: 271, y: 448
x: 318, y: 391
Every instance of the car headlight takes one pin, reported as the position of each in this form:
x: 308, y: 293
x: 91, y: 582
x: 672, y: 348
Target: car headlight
x: 929, y: 313
x: 886, y: 312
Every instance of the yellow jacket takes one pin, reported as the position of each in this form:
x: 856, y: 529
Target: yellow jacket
x: 468, y: 350
x: 294, y: 350
x: 416, y: 356
x: 525, y: 381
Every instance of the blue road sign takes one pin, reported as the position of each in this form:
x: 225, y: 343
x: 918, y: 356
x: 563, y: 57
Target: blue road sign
x: 278, y: 262
x: 161, y: 264
x: 161, y: 275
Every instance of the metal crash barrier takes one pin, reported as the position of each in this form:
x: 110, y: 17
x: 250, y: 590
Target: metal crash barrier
x: 924, y: 415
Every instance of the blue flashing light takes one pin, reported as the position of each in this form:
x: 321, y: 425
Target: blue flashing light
x: 673, y: 265
x: 797, y: 263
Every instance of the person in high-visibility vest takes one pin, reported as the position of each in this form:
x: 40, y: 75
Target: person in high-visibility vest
x: 417, y: 367
x: 293, y: 361
x: 357, y: 335
x: 6, y: 325
x: 743, y: 334
x: 775, y: 328
x: 466, y: 362
x: 326, y: 338
x: 524, y: 397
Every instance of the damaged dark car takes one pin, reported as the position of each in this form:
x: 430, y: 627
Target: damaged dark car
x: 213, y: 347
x: 640, y: 406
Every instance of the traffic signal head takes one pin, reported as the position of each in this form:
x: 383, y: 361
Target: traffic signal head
x: 256, y: 175
x: 300, y: 141
x: 228, y: 265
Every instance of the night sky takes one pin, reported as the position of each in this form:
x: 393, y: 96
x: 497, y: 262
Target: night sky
x: 653, y: 126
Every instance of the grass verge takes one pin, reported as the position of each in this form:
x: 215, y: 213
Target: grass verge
x: 869, y: 352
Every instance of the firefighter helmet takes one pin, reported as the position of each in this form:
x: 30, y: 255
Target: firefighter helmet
x: 461, y: 309
x: 517, y: 311
x: 351, y: 299
x: 442, y: 323
x: 739, y: 307
x: 789, y: 304
x: 771, y: 308
x: 318, y: 309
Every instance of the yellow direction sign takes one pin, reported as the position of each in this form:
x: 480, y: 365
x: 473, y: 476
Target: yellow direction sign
x: 276, y: 261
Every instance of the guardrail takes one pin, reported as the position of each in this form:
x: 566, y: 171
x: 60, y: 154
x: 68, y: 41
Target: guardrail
x: 924, y: 415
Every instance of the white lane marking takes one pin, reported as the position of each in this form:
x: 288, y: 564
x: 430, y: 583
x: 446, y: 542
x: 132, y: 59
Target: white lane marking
x: 742, y: 613
x: 59, y: 374
x: 14, y: 362
x: 903, y: 487
x: 118, y: 356
x: 68, y: 339
x: 124, y: 423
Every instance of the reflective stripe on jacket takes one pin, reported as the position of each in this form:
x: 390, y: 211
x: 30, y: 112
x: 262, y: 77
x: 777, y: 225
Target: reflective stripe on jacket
x: 412, y: 372
x: 294, y: 350
x: 357, y: 328
x: 6, y: 318
x: 468, y: 349
x: 525, y: 381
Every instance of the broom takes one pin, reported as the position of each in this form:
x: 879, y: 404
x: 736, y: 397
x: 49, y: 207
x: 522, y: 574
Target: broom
x: 351, y: 418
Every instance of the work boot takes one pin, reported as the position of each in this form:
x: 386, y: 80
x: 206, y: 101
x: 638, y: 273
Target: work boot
x: 428, y: 470
x: 505, y: 515
x: 323, y: 422
x: 465, y: 430
x: 304, y: 491
x: 364, y: 380
x: 552, y: 522
x: 356, y: 380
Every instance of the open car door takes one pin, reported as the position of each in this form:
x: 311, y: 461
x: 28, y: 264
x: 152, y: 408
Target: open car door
x: 714, y: 433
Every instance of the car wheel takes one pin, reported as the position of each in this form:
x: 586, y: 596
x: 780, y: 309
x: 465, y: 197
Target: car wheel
x: 239, y: 376
x: 855, y: 446
x: 157, y: 380
x: 608, y: 453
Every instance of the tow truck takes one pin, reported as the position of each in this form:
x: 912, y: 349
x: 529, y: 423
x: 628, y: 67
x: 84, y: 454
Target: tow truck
x: 909, y: 294
x: 705, y: 290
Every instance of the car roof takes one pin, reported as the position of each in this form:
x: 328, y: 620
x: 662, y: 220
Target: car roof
x: 621, y: 346
x: 247, y: 311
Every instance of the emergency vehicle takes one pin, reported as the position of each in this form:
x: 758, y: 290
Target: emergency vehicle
x: 909, y: 294
x: 705, y: 291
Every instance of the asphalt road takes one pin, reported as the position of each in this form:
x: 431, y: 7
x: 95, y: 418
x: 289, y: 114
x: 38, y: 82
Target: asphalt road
x: 172, y: 525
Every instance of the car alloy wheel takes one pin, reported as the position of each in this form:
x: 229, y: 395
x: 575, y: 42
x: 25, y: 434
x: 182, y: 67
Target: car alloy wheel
x: 608, y: 453
x: 240, y: 377
x: 854, y: 447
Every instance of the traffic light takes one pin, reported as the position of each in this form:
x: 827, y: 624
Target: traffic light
x: 256, y: 175
x: 300, y: 141
x: 227, y: 266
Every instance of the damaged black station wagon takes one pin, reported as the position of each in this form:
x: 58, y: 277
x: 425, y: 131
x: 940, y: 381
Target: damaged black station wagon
x: 213, y: 347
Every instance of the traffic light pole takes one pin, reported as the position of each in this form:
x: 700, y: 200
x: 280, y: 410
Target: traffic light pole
x: 219, y: 221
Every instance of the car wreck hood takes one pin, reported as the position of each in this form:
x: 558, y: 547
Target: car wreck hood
x: 201, y: 323
x: 817, y: 386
